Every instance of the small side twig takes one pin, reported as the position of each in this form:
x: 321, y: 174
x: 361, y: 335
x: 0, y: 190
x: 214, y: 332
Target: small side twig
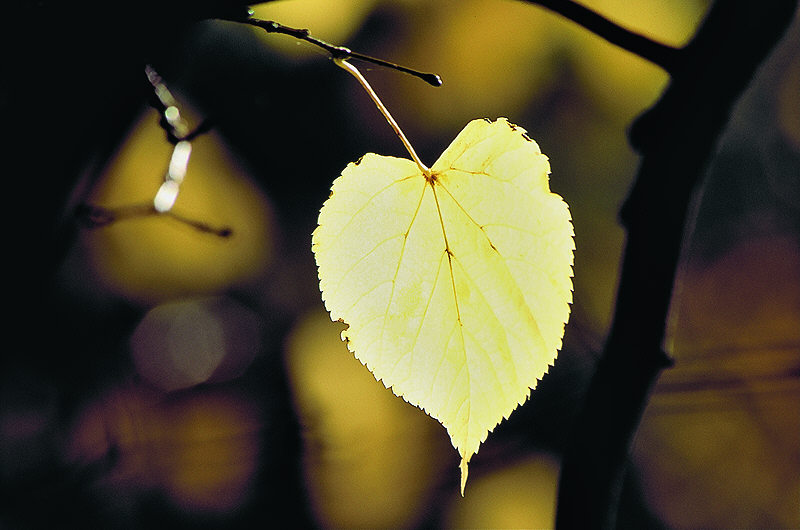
x: 180, y: 136
x: 171, y: 120
x: 98, y: 216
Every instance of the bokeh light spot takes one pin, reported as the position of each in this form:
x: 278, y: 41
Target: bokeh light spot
x: 185, y: 343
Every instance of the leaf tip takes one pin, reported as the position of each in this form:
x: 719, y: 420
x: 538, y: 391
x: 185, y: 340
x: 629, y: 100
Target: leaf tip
x: 464, y: 473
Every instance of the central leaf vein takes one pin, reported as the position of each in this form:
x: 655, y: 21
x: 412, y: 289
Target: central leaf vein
x: 450, y: 256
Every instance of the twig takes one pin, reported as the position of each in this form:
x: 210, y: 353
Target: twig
x: 171, y: 120
x: 676, y: 138
x: 337, y: 52
x: 179, y: 135
x: 97, y: 216
x: 665, y: 56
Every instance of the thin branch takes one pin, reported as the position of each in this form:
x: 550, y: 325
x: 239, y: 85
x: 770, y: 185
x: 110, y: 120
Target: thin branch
x: 665, y: 56
x: 179, y: 135
x: 336, y: 52
x: 171, y: 120
x: 97, y: 216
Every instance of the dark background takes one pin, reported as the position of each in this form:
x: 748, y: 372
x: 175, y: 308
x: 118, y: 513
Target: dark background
x: 264, y: 417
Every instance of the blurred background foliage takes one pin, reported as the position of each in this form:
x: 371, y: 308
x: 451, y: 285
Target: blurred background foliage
x: 196, y: 381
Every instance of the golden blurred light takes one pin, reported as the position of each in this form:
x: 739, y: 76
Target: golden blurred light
x: 620, y: 82
x: 719, y: 445
x: 670, y: 22
x: 151, y: 258
x: 493, y: 57
x: 211, y: 462
x: 497, y: 58
x: 371, y: 460
x: 200, y: 452
x: 334, y: 21
x: 185, y: 343
x: 520, y: 495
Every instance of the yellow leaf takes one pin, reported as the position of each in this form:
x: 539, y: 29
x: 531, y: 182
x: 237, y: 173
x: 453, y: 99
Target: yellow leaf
x: 455, y: 282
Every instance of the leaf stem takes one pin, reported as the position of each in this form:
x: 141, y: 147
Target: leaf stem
x: 386, y: 114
